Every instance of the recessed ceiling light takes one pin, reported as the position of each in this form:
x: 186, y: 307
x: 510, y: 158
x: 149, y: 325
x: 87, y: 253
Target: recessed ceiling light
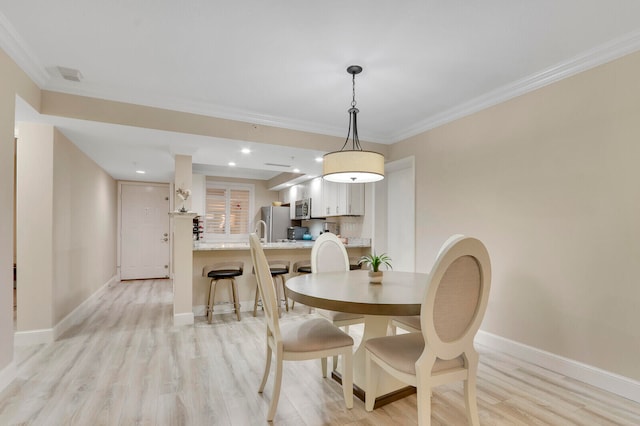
x: 246, y: 151
x: 140, y: 172
x: 231, y: 163
x: 319, y: 159
x: 296, y: 170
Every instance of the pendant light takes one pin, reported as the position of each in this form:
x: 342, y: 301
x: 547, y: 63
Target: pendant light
x: 353, y: 165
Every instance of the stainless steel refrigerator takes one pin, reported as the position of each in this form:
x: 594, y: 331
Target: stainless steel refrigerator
x: 277, y: 220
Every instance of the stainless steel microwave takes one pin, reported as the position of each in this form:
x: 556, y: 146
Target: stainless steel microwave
x: 303, y: 209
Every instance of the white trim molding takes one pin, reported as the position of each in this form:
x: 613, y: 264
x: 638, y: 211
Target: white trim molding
x: 7, y: 375
x: 183, y: 319
x: 599, y: 55
x: 17, y: 49
x: 606, y: 380
x: 79, y: 314
x: 42, y: 336
x: 49, y: 335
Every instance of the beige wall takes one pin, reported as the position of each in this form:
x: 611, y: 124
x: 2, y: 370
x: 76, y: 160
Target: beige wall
x: 34, y: 226
x: 66, y: 227
x: 13, y: 82
x: 550, y: 182
x: 84, y: 227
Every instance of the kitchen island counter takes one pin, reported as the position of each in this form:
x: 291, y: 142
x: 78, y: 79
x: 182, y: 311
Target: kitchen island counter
x: 206, y: 253
x: 300, y: 244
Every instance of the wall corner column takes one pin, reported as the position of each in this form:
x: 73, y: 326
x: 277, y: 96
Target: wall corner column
x: 182, y: 267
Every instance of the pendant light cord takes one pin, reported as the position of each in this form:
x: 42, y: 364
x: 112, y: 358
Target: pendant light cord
x: 353, y: 116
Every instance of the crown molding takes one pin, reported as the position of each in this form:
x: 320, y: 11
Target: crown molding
x: 592, y: 58
x: 17, y: 49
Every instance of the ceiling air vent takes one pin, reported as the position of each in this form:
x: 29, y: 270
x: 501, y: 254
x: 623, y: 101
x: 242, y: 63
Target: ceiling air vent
x: 70, y: 74
x: 277, y: 165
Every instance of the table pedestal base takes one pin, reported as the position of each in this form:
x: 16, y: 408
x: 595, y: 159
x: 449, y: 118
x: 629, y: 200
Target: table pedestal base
x: 380, y: 400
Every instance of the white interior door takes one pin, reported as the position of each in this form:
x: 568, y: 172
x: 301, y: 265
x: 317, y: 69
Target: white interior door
x: 401, y: 234
x: 144, y: 231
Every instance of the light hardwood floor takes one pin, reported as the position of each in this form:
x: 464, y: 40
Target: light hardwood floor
x: 127, y: 364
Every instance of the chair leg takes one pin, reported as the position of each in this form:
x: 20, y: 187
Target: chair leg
x: 267, y: 366
x: 276, y: 387
x: 212, y: 298
x: 423, y: 398
x: 393, y: 330
x: 284, y: 293
x: 470, y: 388
x: 371, y: 382
x: 335, y: 358
x: 347, y: 377
x: 255, y: 303
x: 236, y: 304
x: 423, y: 388
x: 323, y: 363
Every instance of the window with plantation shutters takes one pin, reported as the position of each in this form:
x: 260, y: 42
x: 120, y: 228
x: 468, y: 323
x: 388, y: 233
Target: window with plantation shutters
x: 228, y: 211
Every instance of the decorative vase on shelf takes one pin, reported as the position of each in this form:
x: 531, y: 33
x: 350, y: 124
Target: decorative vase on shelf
x: 184, y: 196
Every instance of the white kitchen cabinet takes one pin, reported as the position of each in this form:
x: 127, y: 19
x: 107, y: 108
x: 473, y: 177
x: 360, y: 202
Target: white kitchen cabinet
x: 317, y: 197
x: 354, y: 199
x: 329, y: 198
x: 343, y: 199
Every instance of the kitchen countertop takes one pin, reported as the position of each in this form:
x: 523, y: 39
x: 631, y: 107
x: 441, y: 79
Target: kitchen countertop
x: 299, y: 244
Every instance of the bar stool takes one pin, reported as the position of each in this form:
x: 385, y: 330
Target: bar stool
x: 353, y: 263
x: 278, y: 268
x: 299, y: 268
x: 222, y: 271
x: 302, y: 267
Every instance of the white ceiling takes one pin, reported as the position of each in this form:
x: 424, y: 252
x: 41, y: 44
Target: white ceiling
x: 283, y: 62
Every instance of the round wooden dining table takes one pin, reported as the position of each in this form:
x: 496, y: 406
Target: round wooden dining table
x: 400, y: 293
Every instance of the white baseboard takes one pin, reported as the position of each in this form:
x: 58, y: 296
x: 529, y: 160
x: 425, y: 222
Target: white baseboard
x: 79, y: 314
x: 7, y: 375
x: 602, y: 379
x: 183, y: 319
x: 49, y: 335
x: 33, y: 337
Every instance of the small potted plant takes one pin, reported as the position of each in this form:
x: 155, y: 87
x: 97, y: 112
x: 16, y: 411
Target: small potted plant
x: 375, y: 261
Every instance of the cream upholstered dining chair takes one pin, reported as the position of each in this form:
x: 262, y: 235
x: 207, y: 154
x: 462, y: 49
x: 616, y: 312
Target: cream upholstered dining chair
x: 442, y: 352
x: 412, y: 323
x: 311, y: 339
x: 328, y: 254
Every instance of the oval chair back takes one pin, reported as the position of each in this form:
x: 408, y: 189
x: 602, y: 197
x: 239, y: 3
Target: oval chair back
x: 329, y: 254
x: 456, y: 299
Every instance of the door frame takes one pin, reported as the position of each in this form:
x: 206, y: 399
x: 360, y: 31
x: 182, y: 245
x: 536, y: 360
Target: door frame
x: 383, y: 223
x: 169, y: 186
